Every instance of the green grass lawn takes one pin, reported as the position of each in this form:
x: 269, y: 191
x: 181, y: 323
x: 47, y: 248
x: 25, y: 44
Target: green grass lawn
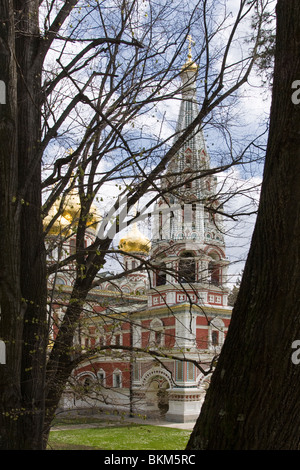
x: 131, y: 437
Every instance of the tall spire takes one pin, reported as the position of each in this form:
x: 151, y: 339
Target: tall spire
x: 187, y: 239
x: 189, y: 106
x: 193, y: 156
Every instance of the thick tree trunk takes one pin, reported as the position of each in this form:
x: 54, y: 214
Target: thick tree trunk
x: 23, y: 284
x: 253, y: 400
x: 11, y: 322
x: 33, y: 262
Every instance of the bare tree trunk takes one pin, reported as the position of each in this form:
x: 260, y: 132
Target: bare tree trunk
x: 11, y: 323
x: 23, y: 280
x: 253, y: 400
x: 33, y: 263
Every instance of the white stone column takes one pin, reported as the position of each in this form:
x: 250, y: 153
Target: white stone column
x: 184, y: 404
x: 185, y: 329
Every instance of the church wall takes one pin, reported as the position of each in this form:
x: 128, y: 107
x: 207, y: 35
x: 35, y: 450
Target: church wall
x: 126, y: 335
x: 168, y: 321
x: 201, y: 320
x: 109, y: 368
x: 145, y: 336
x: 170, y: 334
x: 202, y: 338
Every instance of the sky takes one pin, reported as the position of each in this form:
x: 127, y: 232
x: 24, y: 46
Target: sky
x: 256, y: 103
x: 252, y: 109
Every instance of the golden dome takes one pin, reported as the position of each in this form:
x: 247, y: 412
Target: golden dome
x: 67, y: 221
x: 72, y: 206
x: 61, y: 225
x: 135, y: 241
x: 189, y: 66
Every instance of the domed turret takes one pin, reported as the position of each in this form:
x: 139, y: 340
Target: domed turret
x: 135, y: 242
x: 72, y: 209
x: 67, y: 221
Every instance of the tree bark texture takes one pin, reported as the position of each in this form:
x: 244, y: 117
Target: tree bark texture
x: 33, y: 262
x: 253, y: 400
x: 11, y: 324
x: 23, y: 287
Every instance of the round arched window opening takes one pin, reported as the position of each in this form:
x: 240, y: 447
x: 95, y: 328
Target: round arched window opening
x: 187, y: 268
x: 87, y: 384
x: 161, y: 275
x: 214, y: 273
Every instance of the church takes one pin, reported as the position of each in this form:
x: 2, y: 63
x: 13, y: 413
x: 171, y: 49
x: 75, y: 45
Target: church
x: 157, y: 331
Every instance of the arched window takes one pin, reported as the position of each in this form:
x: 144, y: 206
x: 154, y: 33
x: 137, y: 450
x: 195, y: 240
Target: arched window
x: 194, y: 213
x: 117, y: 338
x: 101, y: 339
x: 101, y: 377
x: 216, y: 333
x: 60, y: 281
x: 117, y: 378
x: 156, y: 332
x: 214, y: 273
x: 136, y: 334
x: 88, y: 384
x: 161, y: 276
x: 187, y: 268
x: 136, y: 371
x: 215, y: 338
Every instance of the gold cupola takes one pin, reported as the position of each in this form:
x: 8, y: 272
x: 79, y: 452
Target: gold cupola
x: 61, y: 226
x: 135, y: 242
x: 66, y: 223
x: 72, y: 208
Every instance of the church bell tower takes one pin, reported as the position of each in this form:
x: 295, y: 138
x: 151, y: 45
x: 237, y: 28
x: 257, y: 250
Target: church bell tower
x: 188, y: 241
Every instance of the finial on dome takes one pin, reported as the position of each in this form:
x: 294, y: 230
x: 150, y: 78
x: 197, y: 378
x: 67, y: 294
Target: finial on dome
x: 190, y: 39
x: 190, y: 65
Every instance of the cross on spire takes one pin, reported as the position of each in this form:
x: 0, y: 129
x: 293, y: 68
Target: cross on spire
x: 191, y: 42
